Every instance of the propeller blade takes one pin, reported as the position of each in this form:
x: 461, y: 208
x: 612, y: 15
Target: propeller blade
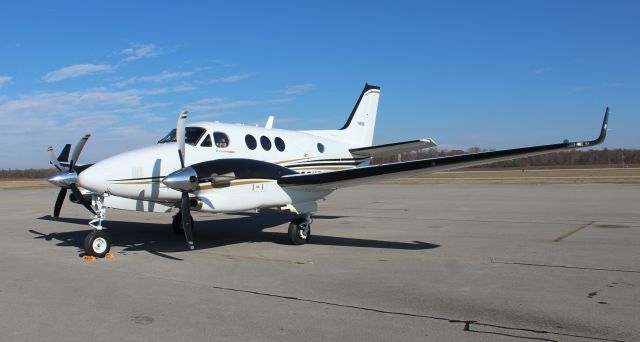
x: 53, y: 160
x: 180, y: 136
x: 64, y: 155
x: 56, y: 208
x: 76, y: 192
x: 185, y: 209
x: 77, y: 150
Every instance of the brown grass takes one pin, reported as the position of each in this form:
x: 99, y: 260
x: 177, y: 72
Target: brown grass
x: 25, y: 184
x: 610, y: 176
x: 605, y: 176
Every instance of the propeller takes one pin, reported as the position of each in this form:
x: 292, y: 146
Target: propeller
x: 67, y: 177
x: 184, y: 180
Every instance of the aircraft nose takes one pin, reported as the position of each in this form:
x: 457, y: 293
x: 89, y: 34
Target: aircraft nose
x: 94, y: 179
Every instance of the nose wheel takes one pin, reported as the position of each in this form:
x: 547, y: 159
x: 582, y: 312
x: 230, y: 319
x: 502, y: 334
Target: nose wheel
x: 97, y: 244
x: 300, y: 230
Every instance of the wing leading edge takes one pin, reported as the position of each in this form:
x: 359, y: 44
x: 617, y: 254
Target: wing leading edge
x: 369, y: 174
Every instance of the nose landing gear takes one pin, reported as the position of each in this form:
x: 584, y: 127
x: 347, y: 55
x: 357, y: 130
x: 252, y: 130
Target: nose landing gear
x: 97, y: 243
x: 300, y: 230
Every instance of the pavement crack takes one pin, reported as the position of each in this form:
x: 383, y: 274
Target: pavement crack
x: 569, y: 233
x: 562, y: 266
x: 467, y: 323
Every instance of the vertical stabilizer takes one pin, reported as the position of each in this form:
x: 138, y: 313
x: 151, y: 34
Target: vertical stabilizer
x: 361, y: 124
x: 359, y: 128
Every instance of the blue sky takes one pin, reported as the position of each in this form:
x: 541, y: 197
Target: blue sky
x: 493, y: 74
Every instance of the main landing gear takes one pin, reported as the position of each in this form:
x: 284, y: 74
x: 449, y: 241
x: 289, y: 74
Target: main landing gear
x: 97, y: 243
x: 300, y: 230
x: 176, y: 223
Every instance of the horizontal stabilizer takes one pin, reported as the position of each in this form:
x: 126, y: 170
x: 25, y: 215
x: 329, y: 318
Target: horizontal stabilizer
x: 399, y: 147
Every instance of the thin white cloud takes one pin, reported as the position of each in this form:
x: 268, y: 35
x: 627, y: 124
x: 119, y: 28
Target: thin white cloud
x: 76, y: 70
x: 210, y: 100
x: 285, y: 100
x: 216, y: 104
x: 221, y: 63
x: 141, y: 109
x: 139, y: 51
x: 4, y: 79
x: 58, y: 105
x: 163, y: 76
x: 222, y: 106
x: 131, y: 53
x: 542, y: 70
x: 207, y: 116
x: 233, y: 78
x: 613, y: 84
x: 34, y: 121
x: 148, y: 117
x: 160, y: 91
x: 295, y: 89
x: 579, y: 89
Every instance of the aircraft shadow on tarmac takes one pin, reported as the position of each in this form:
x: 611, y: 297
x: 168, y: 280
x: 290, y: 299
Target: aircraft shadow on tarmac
x: 157, y: 238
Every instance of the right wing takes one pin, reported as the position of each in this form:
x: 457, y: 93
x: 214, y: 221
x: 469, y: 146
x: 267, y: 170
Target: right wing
x: 369, y: 174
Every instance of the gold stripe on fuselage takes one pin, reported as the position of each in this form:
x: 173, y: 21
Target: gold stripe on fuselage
x: 137, y: 182
x: 225, y: 184
x: 311, y: 168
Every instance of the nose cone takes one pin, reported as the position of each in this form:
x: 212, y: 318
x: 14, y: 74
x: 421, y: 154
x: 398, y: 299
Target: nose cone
x: 182, y: 180
x: 93, y: 179
x: 63, y: 179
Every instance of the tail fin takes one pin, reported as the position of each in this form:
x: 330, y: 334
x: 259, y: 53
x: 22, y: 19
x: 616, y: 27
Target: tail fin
x: 362, y: 121
x: 359, y: 128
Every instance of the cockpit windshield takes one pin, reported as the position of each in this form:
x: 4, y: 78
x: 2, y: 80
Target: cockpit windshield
x: 191, y: 135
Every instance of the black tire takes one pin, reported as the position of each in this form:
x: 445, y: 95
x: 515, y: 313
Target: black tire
x: 176, y: 224
x: 297, y: 234
x: 97, y: 244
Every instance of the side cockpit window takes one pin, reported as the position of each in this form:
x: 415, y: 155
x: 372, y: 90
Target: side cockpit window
x: 207, y: 141
x: 221, y: 139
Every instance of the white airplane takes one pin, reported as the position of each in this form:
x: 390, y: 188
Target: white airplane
x: 221, y: 168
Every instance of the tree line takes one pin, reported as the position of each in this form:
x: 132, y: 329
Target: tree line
x: 564, y: 159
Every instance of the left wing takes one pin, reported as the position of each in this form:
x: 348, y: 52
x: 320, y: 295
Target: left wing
x: 369, y: 174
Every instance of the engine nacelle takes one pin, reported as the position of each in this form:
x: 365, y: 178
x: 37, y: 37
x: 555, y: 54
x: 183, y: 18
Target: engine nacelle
x: 240, y: 195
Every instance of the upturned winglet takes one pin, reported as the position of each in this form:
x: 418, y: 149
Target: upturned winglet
x: 600, y: 138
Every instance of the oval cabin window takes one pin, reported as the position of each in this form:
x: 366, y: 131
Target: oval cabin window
x: 251, y: 142
x: 265, y: 142
x: 279, y: 144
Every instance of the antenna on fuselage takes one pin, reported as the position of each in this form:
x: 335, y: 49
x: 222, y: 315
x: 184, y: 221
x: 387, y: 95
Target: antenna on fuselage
x: 269, y: 123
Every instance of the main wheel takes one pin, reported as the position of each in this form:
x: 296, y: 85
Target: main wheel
x: 176, y: 224
x: 299, y: 231
x: 97, y: 244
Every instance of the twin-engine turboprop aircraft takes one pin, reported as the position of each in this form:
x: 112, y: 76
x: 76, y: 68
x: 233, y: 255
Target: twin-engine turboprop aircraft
x: 215, y: 167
